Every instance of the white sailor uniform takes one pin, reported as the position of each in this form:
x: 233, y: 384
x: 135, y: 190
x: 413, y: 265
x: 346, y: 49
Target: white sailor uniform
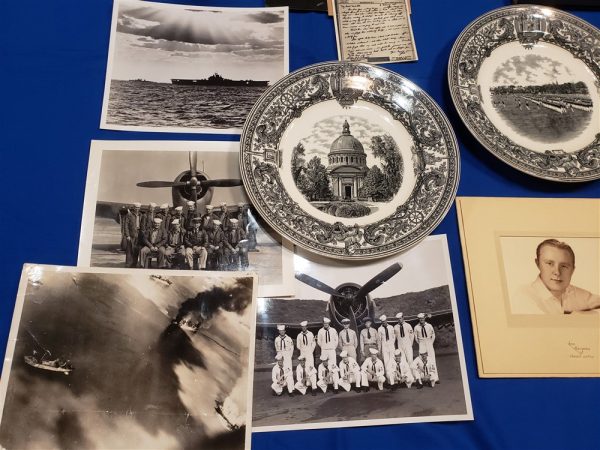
x: 425, y: 336
x: 328, y: 374
x: 282, y: 377
x: 285, y: 346
x: 373, y: 371
x: 349, y: 373
x: 328, y: 341
x: 305, y: 342
x: 305, y: 376
x: 405, y: 338
x: 387, y: 341
x: 399, y: 373
x: 425, y: 372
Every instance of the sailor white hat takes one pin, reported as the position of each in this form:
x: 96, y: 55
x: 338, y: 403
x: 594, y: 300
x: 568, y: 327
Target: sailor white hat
x: 421, y: 315
x: 373, y: 351
x: 137, y: 204
x: 234, y: 221
x: 164, y: 206
x: 344, y: 354
x: 278, y: 357
x: 152, y: 205
x: 383, y: 317
x: 323, y: 356
x: 157, y: 220
x: 399, y: 315
x: 345, y: 320
x: 217, y: 222
x: 326, y: 320
x: 241, y: 204
x: 175, y: 222
x: 397, y: 352
x: 281, y: 327
x: 301, y: 358
x: 179, y: 208
x: 209, y: 206
x: 303, y: 323
x: 190, y: 203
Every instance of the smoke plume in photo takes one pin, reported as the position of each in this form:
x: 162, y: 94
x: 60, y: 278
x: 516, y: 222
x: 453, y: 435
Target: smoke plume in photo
x: 139, y: 379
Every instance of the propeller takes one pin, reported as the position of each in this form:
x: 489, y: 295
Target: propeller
x: 223, y: 182
x: 193, y: 183
x: 161, y: 184
x: 378, y: 280
x: 313, y: 282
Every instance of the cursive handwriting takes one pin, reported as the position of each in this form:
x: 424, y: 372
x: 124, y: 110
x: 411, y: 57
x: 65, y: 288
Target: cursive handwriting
x: 374, y: 31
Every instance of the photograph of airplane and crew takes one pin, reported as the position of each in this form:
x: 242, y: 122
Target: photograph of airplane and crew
x: 177, y: 205
x: 370, y: 344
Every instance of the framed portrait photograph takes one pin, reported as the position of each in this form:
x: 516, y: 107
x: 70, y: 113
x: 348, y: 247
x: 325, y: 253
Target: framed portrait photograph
x: 362, y: 344
x: 177, y: 206
x: 119, y: 358
x: 533, y: 274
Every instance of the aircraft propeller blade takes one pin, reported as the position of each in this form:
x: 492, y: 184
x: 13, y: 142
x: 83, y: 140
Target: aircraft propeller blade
x: 160, y: 184
x: 313, y: 282
x: 379, y: 279
x: 193, y: 163
x: 220, y: 183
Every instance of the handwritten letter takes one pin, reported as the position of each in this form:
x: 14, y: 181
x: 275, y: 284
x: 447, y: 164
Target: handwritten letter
x: 375, y: 31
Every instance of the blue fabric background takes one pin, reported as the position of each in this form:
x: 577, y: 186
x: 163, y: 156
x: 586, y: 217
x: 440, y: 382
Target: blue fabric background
x: 52, y: 68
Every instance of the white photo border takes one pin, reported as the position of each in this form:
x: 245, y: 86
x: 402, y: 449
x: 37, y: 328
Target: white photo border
x: 86, y: 236
x: 442, y: 238
x: 20, y: 301
x: 109, y: 68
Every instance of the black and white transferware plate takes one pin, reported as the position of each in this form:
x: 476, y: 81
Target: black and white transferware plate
x: 349, y: 160
x: 526, y: 82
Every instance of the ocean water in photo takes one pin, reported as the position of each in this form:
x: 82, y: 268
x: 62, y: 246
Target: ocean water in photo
x: 148, y: 104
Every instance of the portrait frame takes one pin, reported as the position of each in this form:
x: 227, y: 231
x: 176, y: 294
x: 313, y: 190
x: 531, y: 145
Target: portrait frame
x: 526, y: 345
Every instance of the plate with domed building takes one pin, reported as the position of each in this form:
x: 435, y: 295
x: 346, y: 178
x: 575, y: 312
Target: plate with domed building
x: 526, y: 82
x: 349, y: 160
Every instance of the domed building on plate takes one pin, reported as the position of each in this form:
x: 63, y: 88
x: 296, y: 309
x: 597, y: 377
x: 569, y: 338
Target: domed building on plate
x: 347, y: 165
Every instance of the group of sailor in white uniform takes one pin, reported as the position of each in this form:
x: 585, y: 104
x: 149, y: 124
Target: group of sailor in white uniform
x: 386, y: 354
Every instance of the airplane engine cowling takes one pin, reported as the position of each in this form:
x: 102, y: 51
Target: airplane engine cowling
x: 182, y: 194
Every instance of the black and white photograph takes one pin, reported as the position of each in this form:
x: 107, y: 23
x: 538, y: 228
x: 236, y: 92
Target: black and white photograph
x: 551, y: 274
x: 193, y: 69
x: 362, y: 344
x: 541, y: 98
x: 347, y: 166
x: 113, y: 358
x: 177, y: 205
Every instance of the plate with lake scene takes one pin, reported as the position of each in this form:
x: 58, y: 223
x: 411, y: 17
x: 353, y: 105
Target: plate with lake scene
x: 526, y: 82
x: 349, y: 160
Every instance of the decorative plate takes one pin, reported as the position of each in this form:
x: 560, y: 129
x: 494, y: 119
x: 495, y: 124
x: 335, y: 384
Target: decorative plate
x: 349, y: 160
x: 526, y: 82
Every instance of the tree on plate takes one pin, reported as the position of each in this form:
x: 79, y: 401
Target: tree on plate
x: 385, y: 149
x: 315, y: 181
x: 374, y: 184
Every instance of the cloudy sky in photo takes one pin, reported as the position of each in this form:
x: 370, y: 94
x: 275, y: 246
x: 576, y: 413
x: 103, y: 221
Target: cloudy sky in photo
x: 157, y: 42
x: 531, y: 70
x: 326, y: 131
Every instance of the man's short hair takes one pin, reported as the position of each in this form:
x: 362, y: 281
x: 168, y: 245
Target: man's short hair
x: 556, y: 244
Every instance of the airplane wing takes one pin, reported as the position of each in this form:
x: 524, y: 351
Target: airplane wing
x: 110, y: 210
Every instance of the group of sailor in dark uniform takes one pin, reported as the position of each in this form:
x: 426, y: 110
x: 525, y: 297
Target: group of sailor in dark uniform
x: 375, y: 357
x: 182, y: 238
